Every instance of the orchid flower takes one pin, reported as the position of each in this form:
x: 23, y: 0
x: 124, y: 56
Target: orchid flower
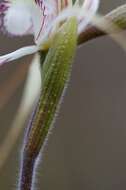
x: 41, y: 18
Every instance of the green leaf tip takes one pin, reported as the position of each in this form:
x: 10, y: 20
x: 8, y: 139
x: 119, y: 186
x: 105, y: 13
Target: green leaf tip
x: 55, y: 71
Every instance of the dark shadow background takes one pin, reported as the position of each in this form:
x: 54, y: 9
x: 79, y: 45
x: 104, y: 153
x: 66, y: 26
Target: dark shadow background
x: 87, y: 149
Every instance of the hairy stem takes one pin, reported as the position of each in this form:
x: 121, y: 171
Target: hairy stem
x: 55, y: 74
x: 27, y: 172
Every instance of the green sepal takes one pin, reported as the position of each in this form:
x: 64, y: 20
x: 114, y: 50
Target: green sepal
x: 55, y: 71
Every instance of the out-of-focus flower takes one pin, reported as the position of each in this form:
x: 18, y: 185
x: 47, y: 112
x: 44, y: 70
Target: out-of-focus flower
x: 42, y: 19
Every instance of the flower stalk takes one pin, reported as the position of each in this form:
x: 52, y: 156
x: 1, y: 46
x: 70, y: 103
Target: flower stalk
x: 55, y: 71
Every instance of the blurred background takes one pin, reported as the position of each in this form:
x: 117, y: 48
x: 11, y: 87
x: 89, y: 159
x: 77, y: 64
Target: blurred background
x: 87, y: 149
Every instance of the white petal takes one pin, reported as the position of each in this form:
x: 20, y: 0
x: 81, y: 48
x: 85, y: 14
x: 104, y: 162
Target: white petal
x: 91, y: 5
x: 37, y: 20
x: 109, y: 27
x: 89, y: 9
x: 28, y: 101
x: 4, y: 5
x: 18, y: 54
x: 42, y: 17
x: 17, y: 20
x: 33, y: 83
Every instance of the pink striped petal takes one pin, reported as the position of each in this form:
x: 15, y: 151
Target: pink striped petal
x: 42, y: 16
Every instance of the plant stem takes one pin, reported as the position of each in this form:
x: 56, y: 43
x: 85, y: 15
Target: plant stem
x: 28, y: 160
x: 55, y: 74
x: 27, y: 171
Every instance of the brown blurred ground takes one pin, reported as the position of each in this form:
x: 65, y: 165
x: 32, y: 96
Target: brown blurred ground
x: 87, y: 149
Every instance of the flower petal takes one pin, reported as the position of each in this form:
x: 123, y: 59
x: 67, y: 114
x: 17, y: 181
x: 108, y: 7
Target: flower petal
x: 63, y: 4
x: 48, y: 5
x: 91, y: 5
x: 18, y: 54
x: 17, y: 20
x: 4, y: 5
x: 28, y: 102
x: 42, y: 16
x: 109, y: 27
x: 89, y: 9
x: 84, y: 15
